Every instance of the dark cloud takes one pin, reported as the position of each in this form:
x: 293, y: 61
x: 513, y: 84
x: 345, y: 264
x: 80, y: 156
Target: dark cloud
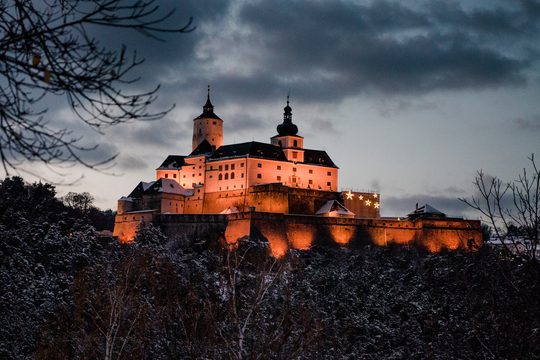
x: 330, y: 50
x: 528, y: 124
x: 128, y: 162
x: 238, y: 123
x: 168, y: 132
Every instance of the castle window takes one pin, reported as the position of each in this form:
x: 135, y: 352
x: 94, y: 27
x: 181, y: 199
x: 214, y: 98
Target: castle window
x: 311, y: 171
x: 220, y: 177
x: 259, y: 165
x: 198, y: 190
x: 295, y: 143
x: 210, y: 176
x: 259, y: 176
x: 192, y: 175
x: 232, y: 166
x: 279, y: 143
x: 232, y: 176
x: 279, y: 167
x: 329, y: 173
x: 295, y: 155
x: 220, y: 168
x: 213, y: 122
x: 310, y: 182
x: 194, y: 168
x: 226, y: 167
x: 211, y: 167
x: 200, y: 131
x: 241, y: 164
x: 199, y: 174
x: 184, y: 176
x: 329, y: 183
x: 242, y: 176
x: 294, y: 169
x: 166, y: 175
x: 174, y: 176
x: 200, y: 167
x: 278, y: 178
x: 226, y: 176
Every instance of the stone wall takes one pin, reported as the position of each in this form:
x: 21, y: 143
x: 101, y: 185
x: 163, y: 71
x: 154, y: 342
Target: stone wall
x: 126, y: 225
x: 285, y: 231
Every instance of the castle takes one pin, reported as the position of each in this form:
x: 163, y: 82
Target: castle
x: 227, y: 189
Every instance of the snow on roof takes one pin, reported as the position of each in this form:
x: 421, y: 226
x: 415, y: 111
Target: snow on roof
x: 230, y: 210
x: 146, y: 185
x: 335, y: 208
x: 170, y: 186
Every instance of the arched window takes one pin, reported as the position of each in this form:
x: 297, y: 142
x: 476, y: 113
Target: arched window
x: 295, y: 143
x: 279, y: 143
x: 232, y: 175
x: 226, y: 176
x: 220, y: 177
x: 200, y: 131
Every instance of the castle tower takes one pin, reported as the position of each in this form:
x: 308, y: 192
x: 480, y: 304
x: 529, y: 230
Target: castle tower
x: 208, y: 126
x: 287, y: 137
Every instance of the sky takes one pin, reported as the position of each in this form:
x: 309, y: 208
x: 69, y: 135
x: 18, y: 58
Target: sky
x: 409, y: 98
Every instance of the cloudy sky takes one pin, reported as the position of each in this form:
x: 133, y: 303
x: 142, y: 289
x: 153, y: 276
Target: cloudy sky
x: 409, y: 98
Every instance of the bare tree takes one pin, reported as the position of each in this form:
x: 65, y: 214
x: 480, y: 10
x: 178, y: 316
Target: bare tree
x: 47, y: 49
x: 245, y: 304
x: 511, y: 209
x: 80, y: 201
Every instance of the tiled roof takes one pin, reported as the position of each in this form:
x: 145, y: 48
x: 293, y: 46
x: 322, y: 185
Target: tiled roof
x: 318, y: 157
x: 162, y: 185
x: 253, y: 149
x: 272, y: 152
x: 203, y: 148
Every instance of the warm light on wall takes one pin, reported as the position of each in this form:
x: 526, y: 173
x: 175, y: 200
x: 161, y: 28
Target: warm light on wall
x: 300, y: 236
x: 341, y: 234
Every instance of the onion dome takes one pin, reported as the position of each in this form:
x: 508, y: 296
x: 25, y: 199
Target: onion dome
x: 287, y: 128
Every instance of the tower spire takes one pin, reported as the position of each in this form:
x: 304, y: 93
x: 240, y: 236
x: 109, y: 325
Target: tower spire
x: 287, y: 127
x: 208, y: 108
x: 287, y: 114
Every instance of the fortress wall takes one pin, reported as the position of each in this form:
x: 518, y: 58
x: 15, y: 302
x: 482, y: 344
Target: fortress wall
x: 268, y: 198
x: 194, y: 227
x: 216, y: 202
x: 301, y: 232
x: 126, y: 225
x: 306, y: 201
x: 357, y: 203
x: 284, y: 231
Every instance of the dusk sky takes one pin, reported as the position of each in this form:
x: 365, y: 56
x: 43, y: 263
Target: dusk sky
x: 408, y: 98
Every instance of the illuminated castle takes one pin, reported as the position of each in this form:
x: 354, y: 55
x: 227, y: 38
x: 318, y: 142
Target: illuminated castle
x: 225, y: 184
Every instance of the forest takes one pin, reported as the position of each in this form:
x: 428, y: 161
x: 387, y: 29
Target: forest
x: 67, y: 293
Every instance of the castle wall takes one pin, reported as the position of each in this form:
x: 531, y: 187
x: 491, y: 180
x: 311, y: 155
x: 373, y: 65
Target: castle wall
x: 362, y: 204
x: 285, y: 231
x: 194, y: 227
x: 127, y: 225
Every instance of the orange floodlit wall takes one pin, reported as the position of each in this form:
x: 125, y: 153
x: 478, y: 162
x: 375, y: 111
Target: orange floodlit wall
x: 127, y: 225
x: 300, y: 236
x: 301, y: 232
